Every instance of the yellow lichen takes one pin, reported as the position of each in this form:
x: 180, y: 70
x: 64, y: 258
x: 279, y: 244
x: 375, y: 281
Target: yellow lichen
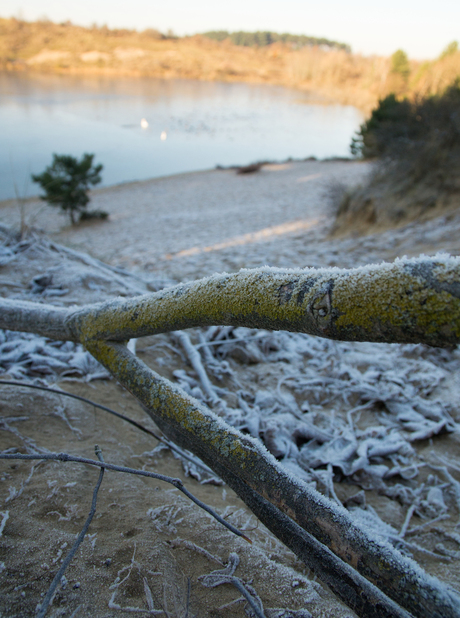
x: 396, y: 299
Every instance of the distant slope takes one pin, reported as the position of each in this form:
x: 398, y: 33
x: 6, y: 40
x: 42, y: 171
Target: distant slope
x: 326, y: 68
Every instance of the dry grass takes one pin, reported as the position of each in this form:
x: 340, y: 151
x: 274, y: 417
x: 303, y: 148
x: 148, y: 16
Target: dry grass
x: 386, y: 202
x: 334, y: 74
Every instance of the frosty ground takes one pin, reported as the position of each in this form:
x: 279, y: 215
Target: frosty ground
x: 373, y: 426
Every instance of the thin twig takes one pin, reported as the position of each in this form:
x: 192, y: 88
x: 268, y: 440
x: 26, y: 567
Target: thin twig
x: 187, y: 601
x: 195, y: 360
x: 417, y: 529
x: 164, y: 441
x: 226, y: 576
x: 76, y: 610
x: 161, y: 477
x: 5, y: 516
x: 85, y: 400
x: 57, y: 578
x: 178, y: 542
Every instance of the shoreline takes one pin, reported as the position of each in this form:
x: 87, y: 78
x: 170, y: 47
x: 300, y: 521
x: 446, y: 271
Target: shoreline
x: 10, y: 201
x: 190, y: 225
x: 331, y: 70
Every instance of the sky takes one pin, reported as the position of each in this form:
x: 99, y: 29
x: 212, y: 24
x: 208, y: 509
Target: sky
x: 422, y: 28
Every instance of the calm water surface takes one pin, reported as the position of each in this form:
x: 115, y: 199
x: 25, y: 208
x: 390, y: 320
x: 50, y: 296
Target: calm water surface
x: 191, y: 126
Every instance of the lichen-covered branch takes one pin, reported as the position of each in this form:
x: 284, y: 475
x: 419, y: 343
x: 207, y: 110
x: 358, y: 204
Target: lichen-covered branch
x: 233, y: 454
x: 46, y: 320
x: 408, y: 301
x: 352, y: 588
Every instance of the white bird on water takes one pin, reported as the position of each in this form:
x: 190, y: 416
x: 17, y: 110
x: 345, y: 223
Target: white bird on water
x: 144, y: 123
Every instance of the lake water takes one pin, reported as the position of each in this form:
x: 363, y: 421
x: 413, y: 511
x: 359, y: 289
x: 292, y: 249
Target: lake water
x: 192, y: 126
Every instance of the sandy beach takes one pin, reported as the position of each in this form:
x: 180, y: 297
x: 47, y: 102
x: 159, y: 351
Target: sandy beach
x: 170, y: 223
x: 148, y: 548
x: 192, y: 225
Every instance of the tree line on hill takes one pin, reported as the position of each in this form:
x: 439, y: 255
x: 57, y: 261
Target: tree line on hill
x: 265, y: 37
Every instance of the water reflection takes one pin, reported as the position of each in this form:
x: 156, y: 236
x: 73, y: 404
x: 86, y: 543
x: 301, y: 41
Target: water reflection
x: 141, y: 128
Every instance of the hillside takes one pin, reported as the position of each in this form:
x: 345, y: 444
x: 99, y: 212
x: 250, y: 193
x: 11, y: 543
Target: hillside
x: 327, y: 68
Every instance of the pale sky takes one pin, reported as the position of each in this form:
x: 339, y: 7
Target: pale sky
x: 422, y: 28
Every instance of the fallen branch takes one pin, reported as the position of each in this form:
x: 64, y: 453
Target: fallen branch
x: 243, y: 462
x: 408, y: 301
x: 352, y: 588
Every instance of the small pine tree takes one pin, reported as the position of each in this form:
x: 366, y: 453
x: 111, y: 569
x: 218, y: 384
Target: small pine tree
x: 400, y: 64
x: 66, y: 183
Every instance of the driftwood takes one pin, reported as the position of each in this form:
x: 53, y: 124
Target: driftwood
x: 416, y: 300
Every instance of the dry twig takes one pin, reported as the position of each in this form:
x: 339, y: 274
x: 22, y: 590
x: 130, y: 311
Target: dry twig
x: 132, y: 422
x: 57, y: 578
x: 177, y: 483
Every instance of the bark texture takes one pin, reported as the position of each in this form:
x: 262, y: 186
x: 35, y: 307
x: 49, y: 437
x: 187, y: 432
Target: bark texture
x: 408, y: 301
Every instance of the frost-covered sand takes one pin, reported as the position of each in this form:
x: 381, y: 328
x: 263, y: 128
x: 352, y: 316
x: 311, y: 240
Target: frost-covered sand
x: 373, y: 426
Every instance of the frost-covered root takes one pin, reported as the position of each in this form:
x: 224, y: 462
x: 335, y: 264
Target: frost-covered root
x: 236, y: 456
x: 312, y: 418
x: 25, y: 355
x: 195, y: 360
